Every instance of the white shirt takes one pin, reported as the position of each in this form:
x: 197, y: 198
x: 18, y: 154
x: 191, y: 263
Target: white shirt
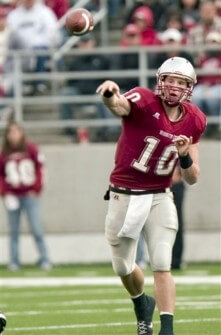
x: 4, y: 35
x: 34, y: 27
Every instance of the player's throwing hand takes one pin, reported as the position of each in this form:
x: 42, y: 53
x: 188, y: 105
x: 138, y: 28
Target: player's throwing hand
x: 108, y: 86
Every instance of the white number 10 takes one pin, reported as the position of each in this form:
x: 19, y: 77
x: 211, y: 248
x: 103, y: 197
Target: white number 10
x: 165, y: 163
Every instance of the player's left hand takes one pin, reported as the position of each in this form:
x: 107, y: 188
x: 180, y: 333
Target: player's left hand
x: 183, y: 144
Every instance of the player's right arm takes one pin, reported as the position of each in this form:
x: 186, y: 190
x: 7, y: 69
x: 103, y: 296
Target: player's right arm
x: 116, y: 102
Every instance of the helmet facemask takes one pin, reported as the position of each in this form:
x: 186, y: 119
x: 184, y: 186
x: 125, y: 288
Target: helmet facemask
x: 173, y: 95
x: 180, y: 68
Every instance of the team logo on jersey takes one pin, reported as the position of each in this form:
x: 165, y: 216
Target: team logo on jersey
x: 156, y: 115
x: 116, y: 197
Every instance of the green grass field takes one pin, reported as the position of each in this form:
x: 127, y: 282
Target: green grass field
x: 99, y: 309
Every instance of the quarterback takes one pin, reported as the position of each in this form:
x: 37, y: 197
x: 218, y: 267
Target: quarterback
x: 158, y: 130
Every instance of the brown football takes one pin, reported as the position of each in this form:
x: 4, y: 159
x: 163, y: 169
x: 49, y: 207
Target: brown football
x: 79, y: 21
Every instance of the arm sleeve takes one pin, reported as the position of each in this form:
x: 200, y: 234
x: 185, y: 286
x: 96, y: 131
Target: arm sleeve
x: 2, y: 178
x: 38, y: 159
x: 135, y: 96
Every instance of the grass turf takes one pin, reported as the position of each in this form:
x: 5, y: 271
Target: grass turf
x: 102, y: 310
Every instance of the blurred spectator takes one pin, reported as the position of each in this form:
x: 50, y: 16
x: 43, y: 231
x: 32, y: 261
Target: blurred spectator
x: 33, y: 27
x: 131, y: 36
x: 189, y: 12
x: 218, y: 7
x: 113, y: 7
x: 4, y: 38
x: 207, y: 93
x: 157, y: 7
x: 172, y: 38
x: 59, y: 7
x: 21, y: 182
x: 8, y: 5
x: 144, y: 20
x: 128, y: 61
x: 209, y: 21
x: 178, y: 189
x: 85, y: 62
x: 174, y: 20
x: 5, y: 83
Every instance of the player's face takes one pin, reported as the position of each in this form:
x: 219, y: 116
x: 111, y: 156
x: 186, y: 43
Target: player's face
x: 15, y: 135
x: 174, y: 88
x: 132, y: 39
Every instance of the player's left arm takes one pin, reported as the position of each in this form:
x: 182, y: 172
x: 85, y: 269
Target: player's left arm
x: 189, y: 158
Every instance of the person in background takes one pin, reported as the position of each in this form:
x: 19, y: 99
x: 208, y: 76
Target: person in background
x: 207, y: 93
x: 5, y: 83
x: 143, y: 18
x: 171, y: 37
x: 189, y: 11
x: 59, y: 7
x: 218, y: 7
x: 85, y: 62
x: 21, y: 183
x: 178, y: 189
x: 174, y: 20
x: 33, y: 26
x: 128, y: 61
x: 157, y: 7
x: 4, y: 38
x: 209, y: 21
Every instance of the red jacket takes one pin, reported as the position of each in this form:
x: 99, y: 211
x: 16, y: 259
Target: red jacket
x: 210, y: 63
x: 59, y: 7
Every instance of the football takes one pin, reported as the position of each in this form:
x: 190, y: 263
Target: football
x: 79, y: 21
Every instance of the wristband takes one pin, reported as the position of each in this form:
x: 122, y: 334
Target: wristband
x: 108, y: 94
x: 185, y: 161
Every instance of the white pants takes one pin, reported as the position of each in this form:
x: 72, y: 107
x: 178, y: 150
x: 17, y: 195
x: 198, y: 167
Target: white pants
x: 159, y: 231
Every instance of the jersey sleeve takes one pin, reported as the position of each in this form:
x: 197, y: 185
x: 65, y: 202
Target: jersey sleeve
x: 2, y: 177
x: 139, y: 97
x: 38, y: 159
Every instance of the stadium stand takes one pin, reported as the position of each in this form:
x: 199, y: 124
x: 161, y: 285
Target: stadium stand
x: 39, y: 110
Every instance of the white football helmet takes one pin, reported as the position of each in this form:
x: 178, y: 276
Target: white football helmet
x: 176, y: 67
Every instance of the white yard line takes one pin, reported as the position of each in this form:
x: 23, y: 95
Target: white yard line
x: 204, y: 305
x: 103, y: 302
x: 85, y: 281
x: 109, y: 324
x: 70, y: 292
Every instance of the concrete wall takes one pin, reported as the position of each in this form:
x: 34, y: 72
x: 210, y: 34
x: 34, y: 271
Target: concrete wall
x: 73, y: 205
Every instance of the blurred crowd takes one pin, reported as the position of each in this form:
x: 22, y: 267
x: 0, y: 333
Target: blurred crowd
x: 33, y: 25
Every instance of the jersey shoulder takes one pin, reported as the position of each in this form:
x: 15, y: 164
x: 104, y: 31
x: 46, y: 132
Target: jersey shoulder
x: 32, y: 147
x: 196, y: 115
x: 140, y: 96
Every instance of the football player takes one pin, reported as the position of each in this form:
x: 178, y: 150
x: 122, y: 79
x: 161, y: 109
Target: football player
x: 2, y: 322
x: 158, y: 129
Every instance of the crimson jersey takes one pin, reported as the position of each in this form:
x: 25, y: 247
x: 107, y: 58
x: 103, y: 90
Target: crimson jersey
x: 21, y: 172
x: 146, y: 155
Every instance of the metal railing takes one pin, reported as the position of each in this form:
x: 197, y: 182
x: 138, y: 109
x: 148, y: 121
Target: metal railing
x: 143, y: 73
